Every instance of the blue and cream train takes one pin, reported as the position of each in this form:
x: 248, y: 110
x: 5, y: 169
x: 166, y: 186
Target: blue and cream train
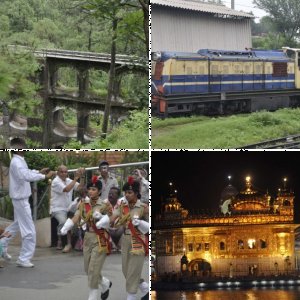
x: 223, y: 81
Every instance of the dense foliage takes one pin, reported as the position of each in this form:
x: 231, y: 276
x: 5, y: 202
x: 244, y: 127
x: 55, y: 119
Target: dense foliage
x: 131, y: 134
x: 71, y: 25
x: 280, y: 28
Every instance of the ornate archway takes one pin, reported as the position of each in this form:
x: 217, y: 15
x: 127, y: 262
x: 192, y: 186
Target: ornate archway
x: 200, y: 267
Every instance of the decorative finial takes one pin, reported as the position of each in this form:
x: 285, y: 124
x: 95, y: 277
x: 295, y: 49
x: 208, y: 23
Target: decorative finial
x: 284, y: 182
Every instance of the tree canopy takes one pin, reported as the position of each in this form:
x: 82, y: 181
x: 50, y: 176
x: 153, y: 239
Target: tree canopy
x: 285, y: 18
x: 70, y: 25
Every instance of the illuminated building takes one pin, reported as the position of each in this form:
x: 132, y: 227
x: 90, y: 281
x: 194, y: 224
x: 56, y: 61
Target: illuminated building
x: 253, y: 234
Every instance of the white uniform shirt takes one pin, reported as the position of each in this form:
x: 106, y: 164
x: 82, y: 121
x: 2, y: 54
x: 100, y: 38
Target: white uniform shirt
x: 60, y: 200
x: 20, y: 177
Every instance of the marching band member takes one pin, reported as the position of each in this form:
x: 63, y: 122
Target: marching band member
x: 95, y: 216
x: 134, y: 216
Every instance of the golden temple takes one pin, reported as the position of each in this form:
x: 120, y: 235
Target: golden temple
x: 253, y: 234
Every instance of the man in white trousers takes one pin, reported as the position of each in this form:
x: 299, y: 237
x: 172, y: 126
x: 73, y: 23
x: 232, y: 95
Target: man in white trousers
x: 19, y: 191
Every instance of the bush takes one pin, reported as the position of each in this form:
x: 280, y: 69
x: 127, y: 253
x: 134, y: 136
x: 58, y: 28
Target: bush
x: 264, y: 119
x: 131, y: 134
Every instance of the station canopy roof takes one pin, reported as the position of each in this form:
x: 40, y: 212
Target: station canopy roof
x: 200, y: 6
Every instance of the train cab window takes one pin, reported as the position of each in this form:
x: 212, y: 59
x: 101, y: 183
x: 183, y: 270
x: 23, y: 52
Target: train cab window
x: 291, y: 54
x: 158, y: 70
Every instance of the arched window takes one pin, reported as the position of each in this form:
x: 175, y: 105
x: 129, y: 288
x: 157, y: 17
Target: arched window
x: 240, y: 244
x: 222, y: 246
x: 263, y: 244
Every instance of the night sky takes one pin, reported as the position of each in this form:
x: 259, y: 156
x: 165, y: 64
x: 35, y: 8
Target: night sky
x: 200, y: 177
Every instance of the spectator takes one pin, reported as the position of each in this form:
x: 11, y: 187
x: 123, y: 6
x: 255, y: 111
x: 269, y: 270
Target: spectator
x: 107, y: 179
x: 140, y: 175
x: 62, y: 189
x: 115, y: 233
x: 20, y: 191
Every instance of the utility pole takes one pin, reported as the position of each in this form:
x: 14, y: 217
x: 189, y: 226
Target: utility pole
x: 232, y: 4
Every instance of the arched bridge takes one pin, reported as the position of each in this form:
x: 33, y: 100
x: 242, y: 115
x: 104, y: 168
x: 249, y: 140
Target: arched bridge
x: 54, y: 95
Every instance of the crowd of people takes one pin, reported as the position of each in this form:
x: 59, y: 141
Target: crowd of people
x: 106, y: 218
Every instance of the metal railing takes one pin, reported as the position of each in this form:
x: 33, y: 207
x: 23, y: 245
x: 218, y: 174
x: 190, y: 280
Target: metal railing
x: 125, y: 168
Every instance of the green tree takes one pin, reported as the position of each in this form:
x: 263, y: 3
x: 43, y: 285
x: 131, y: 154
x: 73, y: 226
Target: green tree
x: 111, y: 12
x: 285, y: 16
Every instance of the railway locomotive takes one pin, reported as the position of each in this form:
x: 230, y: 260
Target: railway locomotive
x: 213, y: 82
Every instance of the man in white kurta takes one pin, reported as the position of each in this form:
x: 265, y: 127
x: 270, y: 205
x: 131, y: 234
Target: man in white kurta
x: 62, y: 189
x: 20, y: 191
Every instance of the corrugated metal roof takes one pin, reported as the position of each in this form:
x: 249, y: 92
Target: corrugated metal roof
x: 203, y: 7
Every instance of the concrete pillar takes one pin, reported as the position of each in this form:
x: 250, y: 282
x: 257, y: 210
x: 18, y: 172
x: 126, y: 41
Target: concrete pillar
x: 48, y: 109
x: 82, y: 113
x: 53, y: 78
x: 83, y: 82
x: 82, y: 121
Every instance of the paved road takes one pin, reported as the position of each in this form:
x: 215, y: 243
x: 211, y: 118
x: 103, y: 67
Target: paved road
x: 58, y: 276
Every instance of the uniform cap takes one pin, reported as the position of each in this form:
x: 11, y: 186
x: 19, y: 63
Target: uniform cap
x: 132, y: 184
x: 95, y: 182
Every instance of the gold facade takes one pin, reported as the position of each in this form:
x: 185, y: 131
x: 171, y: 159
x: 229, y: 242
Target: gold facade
x: 256, y: 237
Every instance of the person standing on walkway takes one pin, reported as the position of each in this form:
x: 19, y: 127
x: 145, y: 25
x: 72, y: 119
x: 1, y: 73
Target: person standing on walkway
x: 134, y: 216
x: 140, y: 176
x: 96, y: 245
x: 108, y: 180
x: 62, y: 189
x: 20, y: 191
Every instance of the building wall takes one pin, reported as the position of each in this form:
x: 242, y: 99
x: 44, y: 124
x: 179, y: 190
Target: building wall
x: 277, y: 252
x: 188, y: 31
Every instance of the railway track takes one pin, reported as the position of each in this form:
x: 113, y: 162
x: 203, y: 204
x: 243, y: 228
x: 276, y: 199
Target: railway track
x: 288, y: 142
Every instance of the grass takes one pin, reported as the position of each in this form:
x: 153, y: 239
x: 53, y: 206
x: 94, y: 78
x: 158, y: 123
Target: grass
x: 224, y: 132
